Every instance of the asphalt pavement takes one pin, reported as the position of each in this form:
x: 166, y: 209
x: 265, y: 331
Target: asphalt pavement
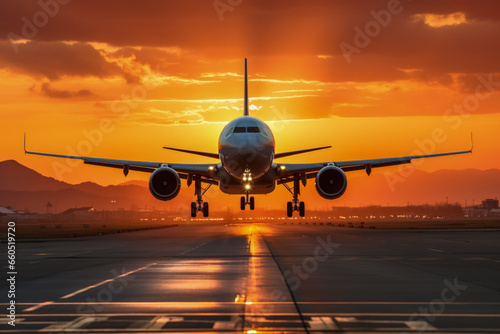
x: 259, y: 277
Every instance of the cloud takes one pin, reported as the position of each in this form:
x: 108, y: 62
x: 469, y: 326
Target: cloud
x: 168, y: 117
x: 302, y: 40
x: 55, y: 60
x: 431, y: 51
x: 47, y: 90
x: 443, y: 20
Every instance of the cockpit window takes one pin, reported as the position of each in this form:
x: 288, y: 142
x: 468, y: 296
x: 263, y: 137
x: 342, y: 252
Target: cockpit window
x: 253, y: 129
x: 240, y: 129
x: 229, y: 132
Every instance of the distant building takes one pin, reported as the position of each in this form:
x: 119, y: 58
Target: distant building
x: 77, y: 211
x: 488, y: 208
x: 490, y: 204
x: 7, y: 211
x: 494, y: 213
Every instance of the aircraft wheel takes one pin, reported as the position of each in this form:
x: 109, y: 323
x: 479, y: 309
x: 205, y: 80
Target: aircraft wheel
x: 205, y: 209
x: 242, y: 203
x: 193, y: 209
x: 289, y: 209
x: 252, y: 203
x: 302, y: 209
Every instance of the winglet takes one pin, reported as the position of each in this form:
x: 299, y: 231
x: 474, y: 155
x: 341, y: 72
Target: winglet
x: 25, y: 143
x: 471, y: 143
x: 245, y: 112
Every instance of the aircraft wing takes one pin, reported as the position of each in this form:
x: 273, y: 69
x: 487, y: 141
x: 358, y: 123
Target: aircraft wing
x: 287, y: 154
x: 287, y: 171
x: 204, y: 154
x: 141, y: 166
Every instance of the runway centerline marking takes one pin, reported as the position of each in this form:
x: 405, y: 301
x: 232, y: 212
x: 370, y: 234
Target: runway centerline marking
x: 105, y: 281
x: 435, y: 250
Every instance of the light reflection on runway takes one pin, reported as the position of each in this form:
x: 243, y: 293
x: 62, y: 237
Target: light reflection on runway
x: 265, y: 299
x: 216, y: 278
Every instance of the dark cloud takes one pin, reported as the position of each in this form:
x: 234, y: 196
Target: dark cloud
x: 282, y: 38
x: 49, y: 91
x: 55, y: 60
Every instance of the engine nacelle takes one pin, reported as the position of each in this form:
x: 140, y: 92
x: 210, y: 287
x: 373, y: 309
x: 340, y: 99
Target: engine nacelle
x: 164, y: 183
x: 331, y: 182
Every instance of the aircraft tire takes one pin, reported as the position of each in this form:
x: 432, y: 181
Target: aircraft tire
x: 205, y: 209
x: 193, y: 209
x: 302, y: 209
x: 289, y: 209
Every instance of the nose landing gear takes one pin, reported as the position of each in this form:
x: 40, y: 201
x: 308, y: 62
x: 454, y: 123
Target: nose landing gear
x: 247, y: 201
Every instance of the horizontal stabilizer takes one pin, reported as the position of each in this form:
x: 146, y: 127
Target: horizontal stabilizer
x: 287, y: 154
x: 204, y: 154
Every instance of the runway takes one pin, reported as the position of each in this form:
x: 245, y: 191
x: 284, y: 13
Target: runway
x: 255, y: 278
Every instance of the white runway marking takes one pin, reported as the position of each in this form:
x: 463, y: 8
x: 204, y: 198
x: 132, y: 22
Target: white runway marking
x: 188, y: 304
x: 435, y: 250
x: 105, y: 281
x: 72, y: 326
x: 418, y: 325
x: 318, y: 323
x: 195, y: 247
x: 36, y: 307
x: 159, y: 322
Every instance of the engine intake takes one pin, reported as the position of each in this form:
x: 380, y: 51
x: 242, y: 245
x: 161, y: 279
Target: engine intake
x: 164, y: 183
x: 331, y: 182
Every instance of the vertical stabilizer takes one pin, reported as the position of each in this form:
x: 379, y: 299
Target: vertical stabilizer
x: 245, y: 112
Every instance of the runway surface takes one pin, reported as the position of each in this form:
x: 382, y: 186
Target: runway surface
x: 260, y: 278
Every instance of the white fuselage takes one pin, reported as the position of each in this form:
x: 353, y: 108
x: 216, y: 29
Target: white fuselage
x: 246, y: 151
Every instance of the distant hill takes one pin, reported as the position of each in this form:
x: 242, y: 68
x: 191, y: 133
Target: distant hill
x: 24, y: 189
x: 14, y: 176
x: 135, y: 183
x: 423, y: 187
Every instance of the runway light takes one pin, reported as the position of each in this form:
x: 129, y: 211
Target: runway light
x: 249, y: 303
x: 239, y: 298
x: 252, y: 331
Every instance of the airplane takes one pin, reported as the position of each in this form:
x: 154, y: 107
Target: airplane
x: 247, y: 167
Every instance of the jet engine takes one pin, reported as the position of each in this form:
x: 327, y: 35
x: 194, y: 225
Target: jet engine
x: 331, y: 182
x: 164, y: 183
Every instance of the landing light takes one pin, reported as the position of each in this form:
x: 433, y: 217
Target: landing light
x: 282, y: 167
x: 211, y: 168
x: 247, y: 186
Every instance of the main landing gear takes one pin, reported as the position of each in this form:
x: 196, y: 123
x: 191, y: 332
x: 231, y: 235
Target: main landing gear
x: 295, y: 205
x: 244, y: 201
x: 199, y: 205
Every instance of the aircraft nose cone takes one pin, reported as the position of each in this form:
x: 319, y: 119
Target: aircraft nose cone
x: 238, y: 159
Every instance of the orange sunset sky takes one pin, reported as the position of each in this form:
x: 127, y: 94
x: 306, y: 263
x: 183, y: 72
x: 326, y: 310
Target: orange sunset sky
x: 373, y: 79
